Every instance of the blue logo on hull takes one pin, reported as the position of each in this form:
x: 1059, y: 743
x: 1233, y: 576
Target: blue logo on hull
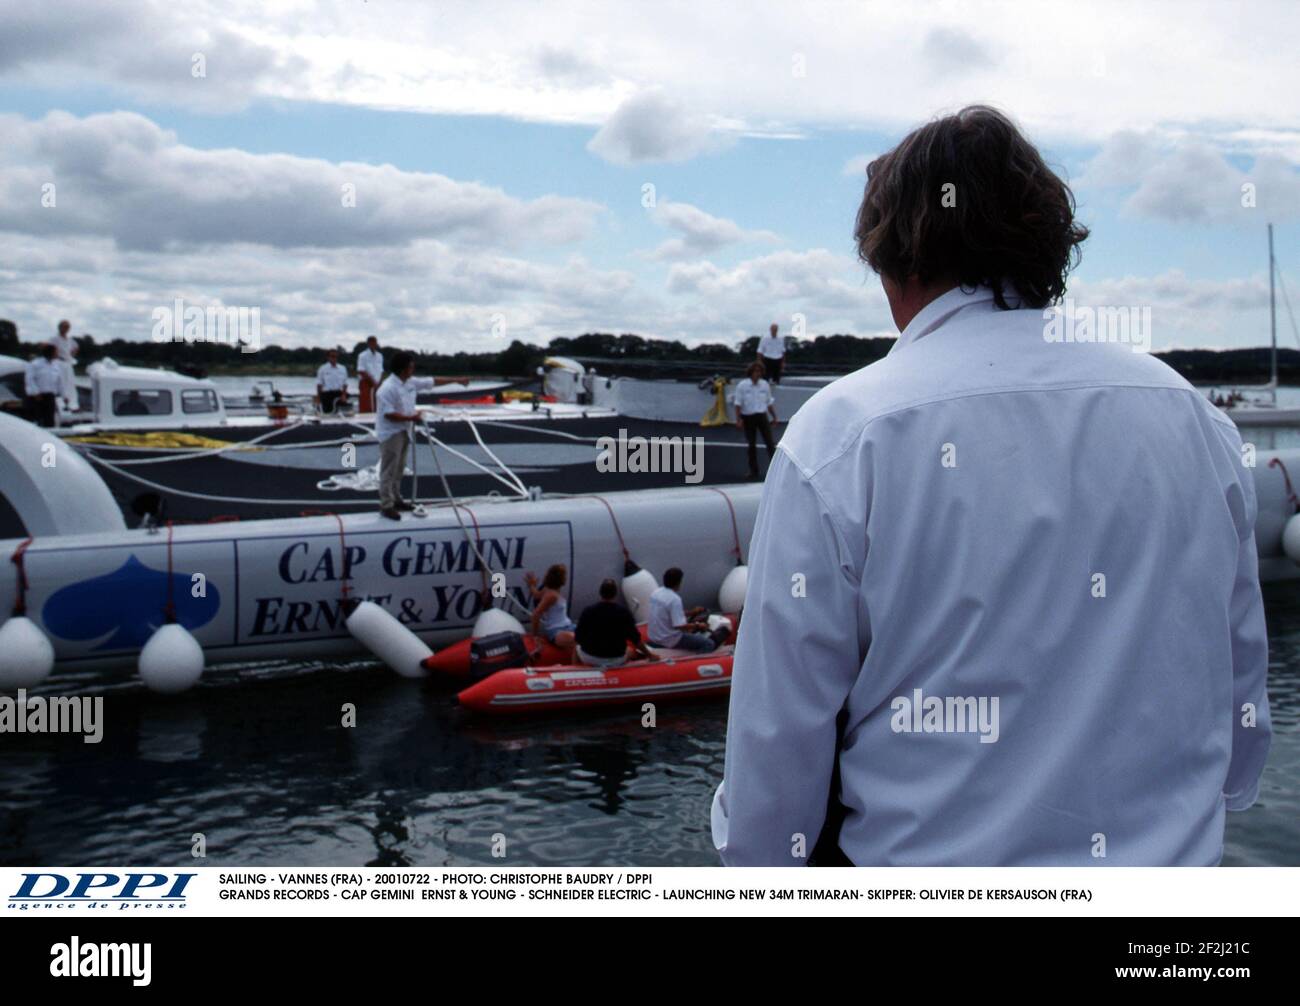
x: 128, y: 603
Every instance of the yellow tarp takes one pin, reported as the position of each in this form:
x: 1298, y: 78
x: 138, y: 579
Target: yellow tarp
x: 158, y: 440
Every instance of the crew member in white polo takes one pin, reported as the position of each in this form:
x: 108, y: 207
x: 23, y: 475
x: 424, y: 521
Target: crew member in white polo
x: 331, y: 382
x: 394, y: 413
x: 771, y: 354
x: 370, y: 371
x: 65, y: 349
x: 42, y: 382
x: 754, y: 404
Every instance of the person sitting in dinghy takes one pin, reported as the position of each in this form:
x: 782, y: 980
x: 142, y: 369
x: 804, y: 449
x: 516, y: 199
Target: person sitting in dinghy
x: 550, y: 610
x: 671, y: 626
x: 606, y: 629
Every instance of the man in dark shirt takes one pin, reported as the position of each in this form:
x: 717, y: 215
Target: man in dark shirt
x: 605, y: 629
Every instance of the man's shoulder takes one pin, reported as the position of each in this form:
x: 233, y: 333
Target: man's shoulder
x: 957, y: 363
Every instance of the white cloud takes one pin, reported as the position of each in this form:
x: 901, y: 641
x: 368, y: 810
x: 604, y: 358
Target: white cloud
x: 1063, y: 74
x: 653, y: 127
x: 701, y: 233
x: 429, y: 295
x: 815, y: 282
x: 1187, y: 312
x: 146, y: 49
x: 120, y: 175
x: 955, y: 51
x: 1188, y: 179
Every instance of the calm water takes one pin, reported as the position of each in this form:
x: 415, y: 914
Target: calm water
x: 257, y: 760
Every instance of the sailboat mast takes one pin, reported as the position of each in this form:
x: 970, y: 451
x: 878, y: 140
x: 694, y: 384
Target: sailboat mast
x: 1272, y: 305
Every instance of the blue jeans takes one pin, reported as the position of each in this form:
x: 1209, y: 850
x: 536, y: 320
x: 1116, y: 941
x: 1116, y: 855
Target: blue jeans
x: 699, y: 642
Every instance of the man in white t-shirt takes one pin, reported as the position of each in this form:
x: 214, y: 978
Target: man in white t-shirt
x: 669, y: 625
x: 394, y: 412
x: 771, y: 354
x: 331, y: 382
x: 754, y: 403
x: 65, y: 351
x: 42, y: 381
x: 370, y: 372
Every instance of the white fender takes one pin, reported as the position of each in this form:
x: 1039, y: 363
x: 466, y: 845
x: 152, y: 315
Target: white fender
x: 172, y: 661
x: 638, y: 585
x: 493, y: 620
x: 731, y: 595
x: 1291, y: 538
x: 388, y: 639
x: 26, y: 654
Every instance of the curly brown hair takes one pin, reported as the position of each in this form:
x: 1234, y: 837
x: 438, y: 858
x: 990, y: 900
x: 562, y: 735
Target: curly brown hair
x: 968, y: 198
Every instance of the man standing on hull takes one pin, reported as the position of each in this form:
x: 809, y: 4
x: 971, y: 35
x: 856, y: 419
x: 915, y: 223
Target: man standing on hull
x: 65, y: 351
x: 771, y: 354
x: 42, y: 381
x: 754, y: 404
x: 370, y: 371
x: 1027, y: 585
x: 394, y: 413
x: 331, y: 382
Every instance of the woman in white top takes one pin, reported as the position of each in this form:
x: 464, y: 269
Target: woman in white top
x: 754, y: 402
x: 551, y: 612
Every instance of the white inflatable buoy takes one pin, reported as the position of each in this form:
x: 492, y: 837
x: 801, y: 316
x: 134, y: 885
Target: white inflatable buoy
x: 1291, y: 538
x: 172, y: 660
x: 493, y: 620
x: 26, y: 654
x: 731, y: 595
x: 638, y: 585
x: 388, y: 639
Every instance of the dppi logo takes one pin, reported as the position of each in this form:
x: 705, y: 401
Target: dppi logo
x: 127, y: 890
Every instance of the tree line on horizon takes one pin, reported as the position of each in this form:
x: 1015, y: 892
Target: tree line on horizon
x: 633, y: 354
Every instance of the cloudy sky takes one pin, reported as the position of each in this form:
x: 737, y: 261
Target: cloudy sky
x: 456, y: 175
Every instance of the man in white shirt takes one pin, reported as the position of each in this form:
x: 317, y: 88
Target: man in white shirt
x: 42, y: 382
x: 754, y: 403
x: 771, y: 354
x: 1028, y: 580
x: 331, y: 382
x: 394, y: 413
x: 65, y: 348
x: 670, y: 626
x: 370, y: 371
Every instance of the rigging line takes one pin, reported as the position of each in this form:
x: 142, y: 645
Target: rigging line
x: 273, y: 501
x: 523, y: 489
x: 451, y: 498
x: 735, y: 530
x: 470, y: 461
x: 20, y: 602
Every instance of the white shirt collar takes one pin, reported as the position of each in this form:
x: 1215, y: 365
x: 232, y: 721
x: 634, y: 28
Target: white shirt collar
x: 942, y: 308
